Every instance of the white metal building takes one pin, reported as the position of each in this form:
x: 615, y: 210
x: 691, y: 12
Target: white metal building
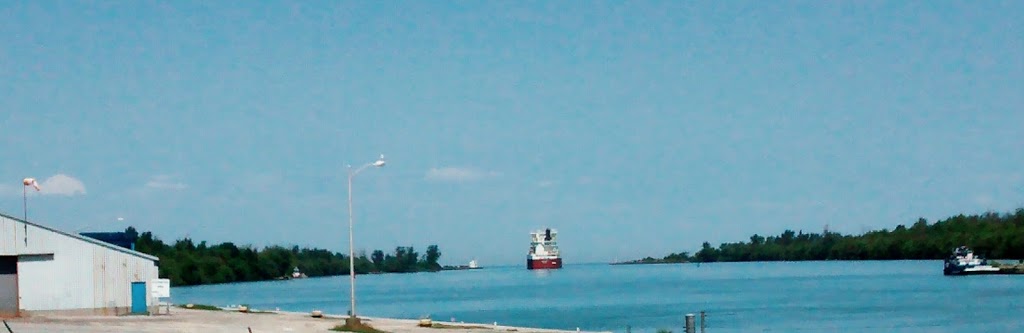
x: 47, y: 270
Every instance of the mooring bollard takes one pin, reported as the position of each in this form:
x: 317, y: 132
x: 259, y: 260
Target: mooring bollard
x: 702, y: 326
x: 689, y: 323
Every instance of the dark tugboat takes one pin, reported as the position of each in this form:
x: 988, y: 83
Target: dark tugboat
x: 964, y: 262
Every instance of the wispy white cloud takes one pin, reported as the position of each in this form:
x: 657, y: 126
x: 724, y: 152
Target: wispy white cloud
x: 984, y: 200
x: 545, y: 183
x: 458, y: 174
x: 165, y: 182
x: 788, y: 205
x: 1000, y: 177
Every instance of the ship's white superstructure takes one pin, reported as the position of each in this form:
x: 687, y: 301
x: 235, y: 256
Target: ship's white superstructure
x: 544, y: 251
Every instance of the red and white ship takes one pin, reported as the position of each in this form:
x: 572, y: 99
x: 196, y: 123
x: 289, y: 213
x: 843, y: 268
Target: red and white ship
x: 543, y: 250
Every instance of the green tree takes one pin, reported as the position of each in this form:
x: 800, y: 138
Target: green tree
x: 378, y: 259
x: 432, y: 255
x: 707, y: 253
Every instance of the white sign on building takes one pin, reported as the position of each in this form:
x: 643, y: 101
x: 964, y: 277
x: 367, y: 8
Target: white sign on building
x: 161, y: 287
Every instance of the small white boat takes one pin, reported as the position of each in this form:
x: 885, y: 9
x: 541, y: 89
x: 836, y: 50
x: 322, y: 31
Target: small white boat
x: 296, y: 274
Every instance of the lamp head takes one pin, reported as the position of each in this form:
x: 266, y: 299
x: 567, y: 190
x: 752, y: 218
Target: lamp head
x: 380, y: 162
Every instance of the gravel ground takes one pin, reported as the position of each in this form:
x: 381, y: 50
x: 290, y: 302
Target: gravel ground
x: 201, y: 321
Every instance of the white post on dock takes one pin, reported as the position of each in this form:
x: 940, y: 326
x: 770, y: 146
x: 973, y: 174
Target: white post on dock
x: 689, y: 323
x: 702, y: 326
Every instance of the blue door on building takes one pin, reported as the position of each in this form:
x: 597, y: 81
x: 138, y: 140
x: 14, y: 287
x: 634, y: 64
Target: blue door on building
x: 139, y: 298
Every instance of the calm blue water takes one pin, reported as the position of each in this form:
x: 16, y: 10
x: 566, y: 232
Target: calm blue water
x: 833, y: 296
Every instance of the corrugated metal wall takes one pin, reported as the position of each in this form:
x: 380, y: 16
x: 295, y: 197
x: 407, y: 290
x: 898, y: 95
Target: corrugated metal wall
x: 80, y: 274
x: 8, y: 236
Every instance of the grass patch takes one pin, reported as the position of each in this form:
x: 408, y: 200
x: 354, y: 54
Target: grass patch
x: 357, y: 328
x: 200, y: 307
x: 440, y: 325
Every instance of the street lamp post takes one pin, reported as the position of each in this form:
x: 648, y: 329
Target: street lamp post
x: 352, y: 319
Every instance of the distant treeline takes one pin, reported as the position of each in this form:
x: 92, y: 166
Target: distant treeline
x: 990, y: 234
x: 186, y: 263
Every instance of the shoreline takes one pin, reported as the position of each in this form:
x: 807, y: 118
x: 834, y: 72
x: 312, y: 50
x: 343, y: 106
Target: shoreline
x: 649, y: 263
x: 234, y: 321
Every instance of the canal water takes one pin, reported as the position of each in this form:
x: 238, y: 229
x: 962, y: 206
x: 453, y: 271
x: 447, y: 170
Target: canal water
x: 820, y: 296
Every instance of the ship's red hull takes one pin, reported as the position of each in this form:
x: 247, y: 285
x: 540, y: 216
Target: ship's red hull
x: 544, y: 263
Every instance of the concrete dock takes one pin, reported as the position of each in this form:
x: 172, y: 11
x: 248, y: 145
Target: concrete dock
x: 1010, y: 268
x: 204, y: 321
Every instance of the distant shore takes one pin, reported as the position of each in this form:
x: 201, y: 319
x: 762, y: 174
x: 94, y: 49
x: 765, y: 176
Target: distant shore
x: 649, y: 261
x: 988, y: 233
x: 458, y: 268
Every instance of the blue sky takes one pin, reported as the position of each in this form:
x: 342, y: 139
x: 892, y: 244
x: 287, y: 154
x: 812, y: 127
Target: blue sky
x: 635, y: 129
